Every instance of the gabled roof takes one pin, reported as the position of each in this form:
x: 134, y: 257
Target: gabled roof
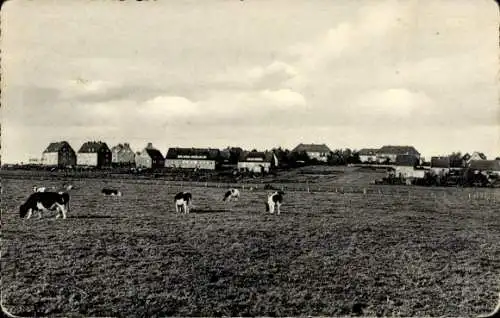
x: 406, y: 160
x: 368, y: 151
x: 92, y: 147
x: 122, y: 147
x: 485, y: 165
x: 440, y: 162
x: 154, y: 154
x: 56, y: 146
x: 478, y: 154
x: 311, y: 148
x: 206, y: 153
x: 398, y: 150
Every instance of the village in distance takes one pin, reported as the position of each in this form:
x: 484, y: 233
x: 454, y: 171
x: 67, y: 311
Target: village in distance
x: 403, y: 164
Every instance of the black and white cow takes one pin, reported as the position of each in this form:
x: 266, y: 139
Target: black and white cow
x: 111, y: 192
x: 231, y: 194
x: 183, y: 201
x: 45, y: 201
x: 274, y: 200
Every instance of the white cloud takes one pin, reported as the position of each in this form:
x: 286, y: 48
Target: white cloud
x: 393, y: 102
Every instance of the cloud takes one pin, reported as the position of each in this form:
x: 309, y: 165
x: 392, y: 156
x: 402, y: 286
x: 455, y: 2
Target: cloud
x: 397, y: 102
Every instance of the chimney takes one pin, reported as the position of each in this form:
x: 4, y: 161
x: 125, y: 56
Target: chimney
x: 150, y: 145
x: 126, y: 144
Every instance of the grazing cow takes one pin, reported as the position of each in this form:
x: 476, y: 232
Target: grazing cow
x: 495, y: 313
x: 183, y: 200
x: 231, y: 194
x: 45, y: 201
x: 274, y: 200
x: 111, y: 192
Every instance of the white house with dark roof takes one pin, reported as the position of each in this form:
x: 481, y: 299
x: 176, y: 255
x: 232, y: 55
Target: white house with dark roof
x: 59, y: 154
x: 193, y: 158
x: 94, y: 154
x: 257, y: 161
x: 367, y: 155
x: 319, y: 152
x: 149, y: 157
x: 388, y: 154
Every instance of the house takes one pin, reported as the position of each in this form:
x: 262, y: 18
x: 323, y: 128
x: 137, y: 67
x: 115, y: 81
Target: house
x: 476, y: 155
x: 388, y: 154
x: 368, y: 155
x: 59, y: 154
x: 485, y: 166
x: 149, y: 157
x: 318, y: 152
x: 440, y: 165
x: 257, y: 161
x: 405, y: 166
x: 94, y: 154
x: 193, y: 158
x: 122, y: 154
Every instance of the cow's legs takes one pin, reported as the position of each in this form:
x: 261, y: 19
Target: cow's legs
x: 62, y: 209
x: 29, y: 214
x: 278, y: 206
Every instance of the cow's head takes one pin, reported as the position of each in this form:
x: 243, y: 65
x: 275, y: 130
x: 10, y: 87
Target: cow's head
x: 23, y: 210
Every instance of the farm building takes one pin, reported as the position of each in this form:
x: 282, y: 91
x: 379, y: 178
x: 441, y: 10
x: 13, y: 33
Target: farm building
x: 368, y: 155
x: 257, y: 161
x: 405, y: 167
x: 193, y: 158
x: 485, y: 166
x: 149, y: 157
x: 319, y: 152
x: 59, y: 154
x: 94, y: 154
x: 388, y: 154
x: 440, y: 165
x: 122, y: 154
x: 230, y: 155
x: 476, y: 155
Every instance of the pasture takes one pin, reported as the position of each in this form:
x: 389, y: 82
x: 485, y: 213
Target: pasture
x: 406, y: 251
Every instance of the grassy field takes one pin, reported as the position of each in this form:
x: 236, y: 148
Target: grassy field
x: 403, y: 251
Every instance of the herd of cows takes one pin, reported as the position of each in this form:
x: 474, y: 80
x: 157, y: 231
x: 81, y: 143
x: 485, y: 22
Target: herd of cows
x: 45, y: 199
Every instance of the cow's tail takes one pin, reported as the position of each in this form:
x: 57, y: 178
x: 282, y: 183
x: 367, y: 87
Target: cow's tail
x: 267, y: 207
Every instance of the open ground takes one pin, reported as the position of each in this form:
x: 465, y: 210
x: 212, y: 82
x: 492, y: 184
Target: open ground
x: 334, y: 250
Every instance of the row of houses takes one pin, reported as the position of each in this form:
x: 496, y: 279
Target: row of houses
x: 98, y: 154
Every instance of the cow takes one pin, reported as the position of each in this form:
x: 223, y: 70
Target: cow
x: 231, y: 194
x: 274, y: 200
x: 111, y: 192
x: 45, y: 201
x: 183, y: 200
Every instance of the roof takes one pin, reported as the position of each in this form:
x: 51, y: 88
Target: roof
x: 92, y: 147
x: 479, y: 155
x: 398, y: 150
x: 311, y: 148
x: 202, y: 153
x: 485, y: 165
x: 263, y: 156
x: 121, y: 147
x: 368, y: 151
x: 155, y: 154
x: 56, y: 146
x: 406, y: 160
x: 440, y: 162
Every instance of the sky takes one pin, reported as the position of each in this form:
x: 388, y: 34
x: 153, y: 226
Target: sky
x: 253, y: 73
